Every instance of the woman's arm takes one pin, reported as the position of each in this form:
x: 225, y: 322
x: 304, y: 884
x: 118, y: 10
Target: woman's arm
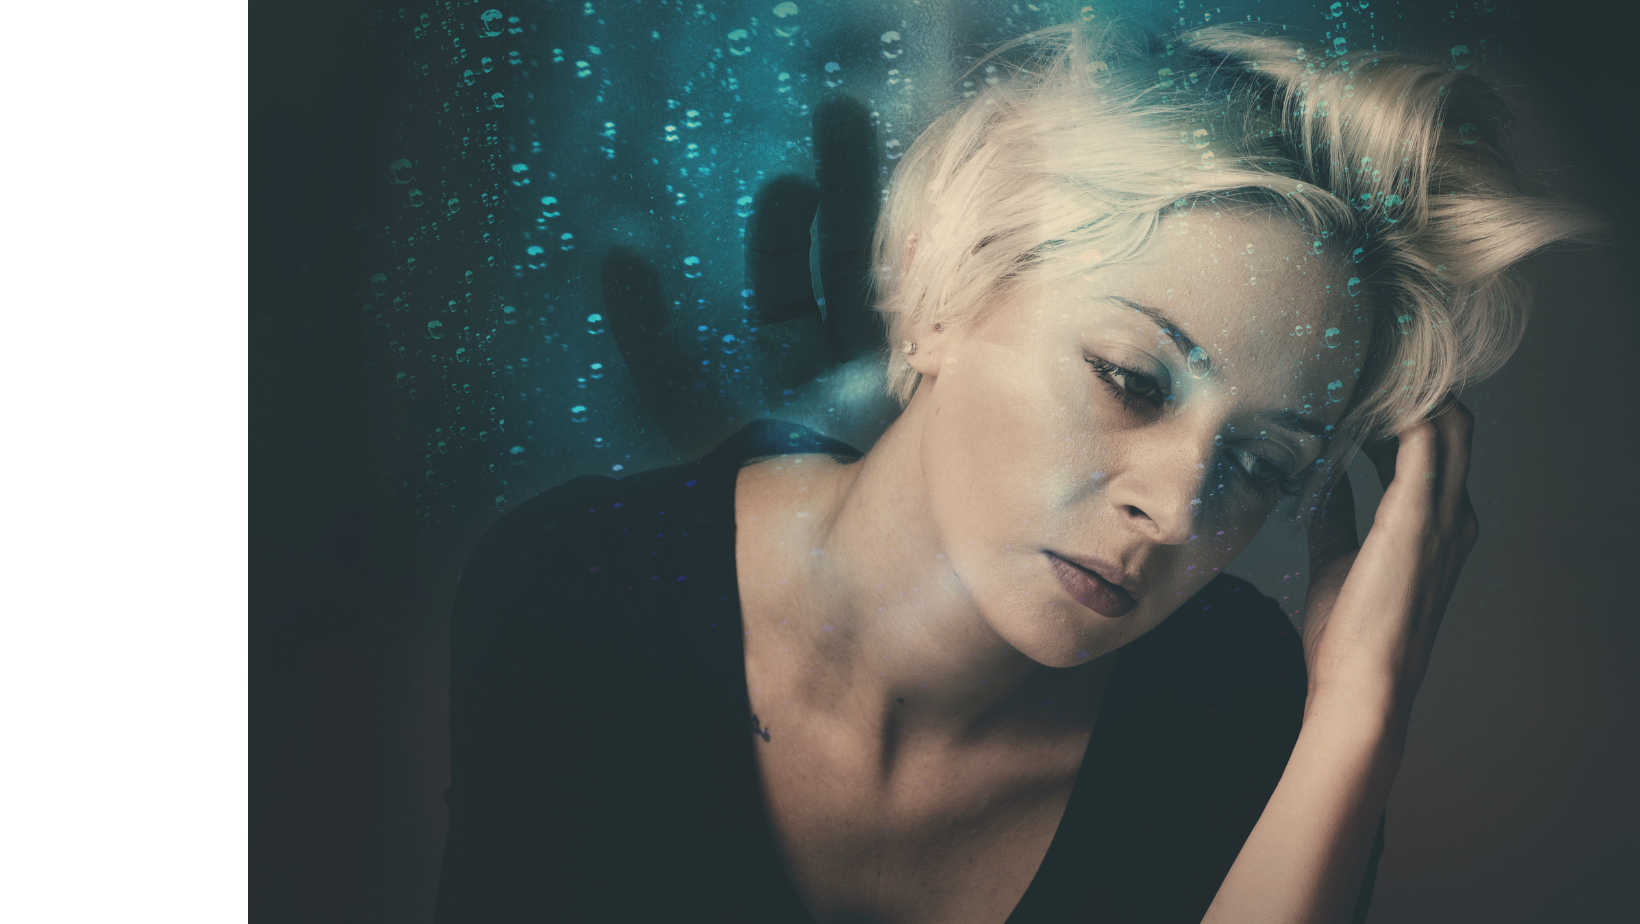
x: 1370, y: 622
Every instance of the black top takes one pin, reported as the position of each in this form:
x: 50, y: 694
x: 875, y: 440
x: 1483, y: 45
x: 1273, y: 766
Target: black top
x: 601, y: 741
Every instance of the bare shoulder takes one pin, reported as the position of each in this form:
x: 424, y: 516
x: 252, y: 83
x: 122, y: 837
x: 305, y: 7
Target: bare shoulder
x: 767, y: 487
x: 783, y: 505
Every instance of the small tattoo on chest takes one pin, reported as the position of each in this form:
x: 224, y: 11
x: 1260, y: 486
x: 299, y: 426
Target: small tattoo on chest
x: 758, y: 729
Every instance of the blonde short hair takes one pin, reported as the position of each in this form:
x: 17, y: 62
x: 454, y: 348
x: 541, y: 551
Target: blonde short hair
x: 1393, y: 162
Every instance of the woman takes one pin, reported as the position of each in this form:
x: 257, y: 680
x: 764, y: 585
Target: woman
x: 992, y: 668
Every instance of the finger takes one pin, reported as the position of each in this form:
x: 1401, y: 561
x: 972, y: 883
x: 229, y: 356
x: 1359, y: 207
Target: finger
x: 690, y: 409
x: 793, y: 343
x: 777, y: 251
x: 845, y: 163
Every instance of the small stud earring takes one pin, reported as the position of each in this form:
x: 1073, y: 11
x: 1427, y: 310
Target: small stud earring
x: 907, y: 347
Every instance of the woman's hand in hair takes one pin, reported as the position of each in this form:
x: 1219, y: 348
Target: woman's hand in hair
x: 1373, y: 609
x: 823, y: 371
x: 1369, y: 624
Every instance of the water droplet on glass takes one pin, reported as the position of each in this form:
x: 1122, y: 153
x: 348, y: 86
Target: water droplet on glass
x: 1330, y: 338
x: 488, y: 64
x: 890, y: 48
x: 378, y: 284
x: 435, y: 330
x: 1198, y: 362
x: 415, y: 198
x: 1404, y: 323
x: 486, y: 20
x: 1468, y: 133
x: 1087, y: 14
x: 1353, y: 287
x: 737, y: 37
x: 515, y: 455
x: 1200, y: 138
x: 1317, y: 247
x: 402, y: 163
x: 1335, y: 11
x: 786, y: 11
x: 498, y: 100
x: 1460, y: 57
x: 1335, y: 392
x: 743, y: 206
x: 1358, y: 254
x: 688, y: 272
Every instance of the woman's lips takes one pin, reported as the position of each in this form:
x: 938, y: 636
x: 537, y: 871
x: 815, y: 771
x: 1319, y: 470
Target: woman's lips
x: 1091, y: 590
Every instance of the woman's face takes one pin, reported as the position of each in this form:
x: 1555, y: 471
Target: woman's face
x: 1097, y: 449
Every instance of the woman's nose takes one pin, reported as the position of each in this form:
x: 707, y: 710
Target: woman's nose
x: 1161, y: 497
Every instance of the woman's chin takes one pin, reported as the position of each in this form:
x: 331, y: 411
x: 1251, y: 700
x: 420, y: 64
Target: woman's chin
x: 1062, y: 633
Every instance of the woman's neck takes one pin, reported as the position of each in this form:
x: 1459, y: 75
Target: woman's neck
x: 847, y: 593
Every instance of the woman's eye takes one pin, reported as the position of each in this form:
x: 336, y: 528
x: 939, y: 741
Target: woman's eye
x: 1262, y: 475
x: 1256, y: 467
x: 1126, y: 384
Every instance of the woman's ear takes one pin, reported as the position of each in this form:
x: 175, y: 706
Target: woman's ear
x: 927, y: 351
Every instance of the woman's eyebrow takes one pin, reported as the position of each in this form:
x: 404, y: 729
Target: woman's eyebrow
x: 1180, y: 339
x: 1288, y: 420
x: 1285, y: 419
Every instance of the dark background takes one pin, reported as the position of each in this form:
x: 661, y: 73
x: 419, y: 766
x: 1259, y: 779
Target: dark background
x: 1516, y: 801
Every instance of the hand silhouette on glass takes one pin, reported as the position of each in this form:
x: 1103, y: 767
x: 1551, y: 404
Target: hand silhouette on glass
x: 822, y: 371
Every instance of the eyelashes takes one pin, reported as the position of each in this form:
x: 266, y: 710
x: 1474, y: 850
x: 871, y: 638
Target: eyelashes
x: 1264, y: 476
x: 1134, y: 386
x: 1254, y: 472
